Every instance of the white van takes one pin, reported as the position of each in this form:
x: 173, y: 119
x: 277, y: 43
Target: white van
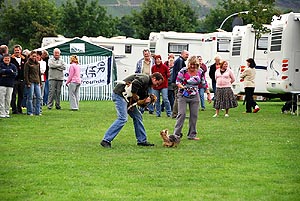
x: 284, y: 56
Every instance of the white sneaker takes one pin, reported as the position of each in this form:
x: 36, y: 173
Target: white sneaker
x: 215, y: 115
x: 226, y: 115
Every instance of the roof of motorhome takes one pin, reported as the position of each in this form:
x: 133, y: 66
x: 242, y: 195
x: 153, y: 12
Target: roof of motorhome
x: 181, y: 35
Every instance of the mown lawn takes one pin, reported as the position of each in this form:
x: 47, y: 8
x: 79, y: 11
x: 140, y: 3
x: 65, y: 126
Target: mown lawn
x: 57, y: 157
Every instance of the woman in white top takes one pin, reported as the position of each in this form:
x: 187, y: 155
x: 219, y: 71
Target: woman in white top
x: 43, y: 66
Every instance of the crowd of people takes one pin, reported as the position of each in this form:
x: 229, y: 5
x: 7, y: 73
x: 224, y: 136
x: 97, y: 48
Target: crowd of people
x: 30, y: 80
x: 180, y: 83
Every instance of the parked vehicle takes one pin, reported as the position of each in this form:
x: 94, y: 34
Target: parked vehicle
x: 284, y: 56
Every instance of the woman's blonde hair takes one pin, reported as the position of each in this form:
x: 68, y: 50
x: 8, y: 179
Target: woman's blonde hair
x: 74, y: 59
x: 193, y: 60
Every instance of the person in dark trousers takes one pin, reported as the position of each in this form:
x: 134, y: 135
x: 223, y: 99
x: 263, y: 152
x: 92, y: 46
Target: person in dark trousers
x: 212, y: 71
x: 19, y: 61
x: 178, y: 65
x: 140, y: 87
x: 248, y: 77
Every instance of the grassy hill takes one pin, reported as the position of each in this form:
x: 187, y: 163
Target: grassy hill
x: 123, y: 7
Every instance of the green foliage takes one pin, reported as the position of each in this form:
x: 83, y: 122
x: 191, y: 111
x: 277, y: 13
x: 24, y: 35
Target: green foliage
x: 168, y: 15
x: 125, y: 26
x: 260, y: 12
x: 80, y: 18
x: 25, y: 22
x: 57, y: 157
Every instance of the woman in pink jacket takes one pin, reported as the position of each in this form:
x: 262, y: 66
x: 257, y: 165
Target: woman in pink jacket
x: 73, y: 83
x: 224, y: 97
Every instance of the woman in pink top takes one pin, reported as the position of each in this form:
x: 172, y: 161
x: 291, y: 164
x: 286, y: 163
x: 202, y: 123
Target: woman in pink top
x: 224, y: 97
x: 73, y: 83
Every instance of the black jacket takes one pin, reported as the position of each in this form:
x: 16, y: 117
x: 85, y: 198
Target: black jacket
x: 140, y: 85
x: 7, y: 74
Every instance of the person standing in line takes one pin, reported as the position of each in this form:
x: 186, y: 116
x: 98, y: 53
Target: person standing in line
x: 202, y: 89
x: 19, y: 91
x: 178, y: 65
x: 188, y: 81
x: 73, y: 83
x: 8, y: 72
x: 140, y: 85
x: 212, y: 72
x: 224, y: 96
x: 3, y: 51
x: 45, y: 57
x: 43, y: 75
x: 163, y: 89
x: 171, y: 93
x: 32, y: 75
x: 248, y: 76
x: 144, y: 65
x: 56, y: 77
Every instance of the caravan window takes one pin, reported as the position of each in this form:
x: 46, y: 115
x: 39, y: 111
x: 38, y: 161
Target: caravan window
x: 177, y: 48
x: 128, y: 49
x: 236, y: 46
x: 262, y: 43
x: 223, y: 45
x: 276, y: 38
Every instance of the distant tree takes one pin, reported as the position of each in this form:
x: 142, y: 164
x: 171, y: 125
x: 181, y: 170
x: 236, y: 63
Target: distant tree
x: 216, y: 16
x: 164, y: 15
x: 263, y: 10
x: 80, y: 18
x: 125, y: 26
x: 22, y: 22
x: 260, y: 13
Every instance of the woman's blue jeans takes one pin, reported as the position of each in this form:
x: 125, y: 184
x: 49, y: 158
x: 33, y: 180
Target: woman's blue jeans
x: 35, y: 89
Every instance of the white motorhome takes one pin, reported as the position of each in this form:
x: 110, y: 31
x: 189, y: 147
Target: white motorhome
x: 284, y: 56
x: 216, y: 43
x: 127, y: 51
x: 207, y: 45
x: 244, y: 46
x: 163, y: 43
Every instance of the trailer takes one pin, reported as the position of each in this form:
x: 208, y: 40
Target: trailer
x: 207, y: 45
x: 164, y: 43
x: 127, y: 51
x: 283, y: 74
x: 245, y: 45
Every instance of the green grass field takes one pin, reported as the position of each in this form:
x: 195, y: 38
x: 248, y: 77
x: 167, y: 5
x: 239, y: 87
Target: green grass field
x: 57, y: 157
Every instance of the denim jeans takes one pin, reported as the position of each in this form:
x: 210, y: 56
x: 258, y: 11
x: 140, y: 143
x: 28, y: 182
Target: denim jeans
x: 150, y: 106
x: 46, y: 93
x: 201, y: 94
x: 36, y: 90
x: 164, y: 93
x: 122, y: 112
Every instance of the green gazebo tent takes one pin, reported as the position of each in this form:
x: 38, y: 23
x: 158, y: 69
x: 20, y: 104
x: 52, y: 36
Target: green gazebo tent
x: 98, y: 68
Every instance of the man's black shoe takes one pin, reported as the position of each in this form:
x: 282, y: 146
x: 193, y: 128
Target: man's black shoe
x: 58, y: 107
x: 145, y: 144
x: 105, y: 144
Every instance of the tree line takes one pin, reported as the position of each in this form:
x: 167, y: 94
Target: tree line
x: 28, y: 21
